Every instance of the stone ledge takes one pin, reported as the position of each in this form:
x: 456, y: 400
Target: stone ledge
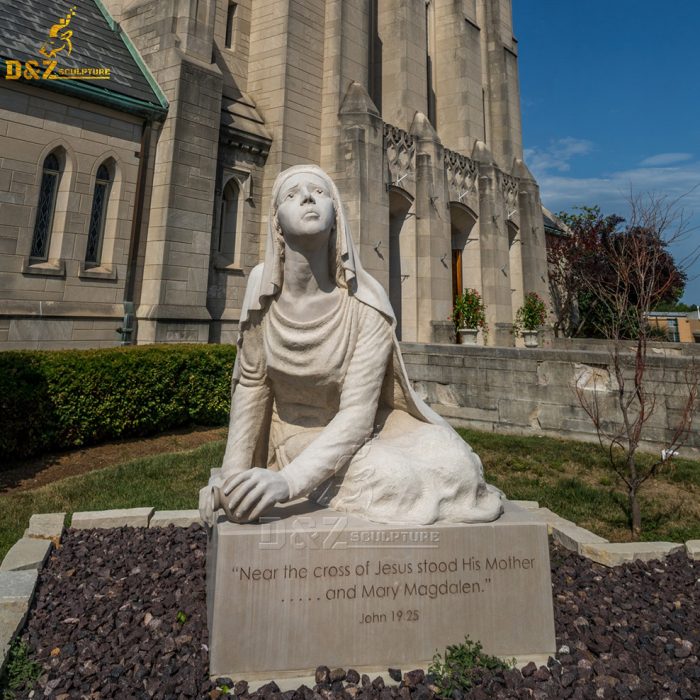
x: 45, y: 525
x: 567, y: 533
x: 616, y: 553
x: 693, y: 549
x: 178, y: 518
x: 17, y: 586
x: 528, y: 505
x: 11, y: 622
x: 16, y: 592
x: 26, y: 553
x: 129, y: 517
x: 549, y: 517
x: 571, y: 536
x: 17, y: 589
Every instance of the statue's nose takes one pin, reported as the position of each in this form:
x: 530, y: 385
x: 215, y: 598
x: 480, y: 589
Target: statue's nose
x: 306, y: 195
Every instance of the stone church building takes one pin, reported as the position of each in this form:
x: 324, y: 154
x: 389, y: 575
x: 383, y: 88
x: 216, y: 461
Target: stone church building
x: 132, y: 207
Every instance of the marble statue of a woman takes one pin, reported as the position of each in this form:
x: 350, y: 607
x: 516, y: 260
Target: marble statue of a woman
x: 321, y: 405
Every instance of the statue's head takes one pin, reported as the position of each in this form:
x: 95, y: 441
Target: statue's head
x: 305, y: 210
x: 304, y: 214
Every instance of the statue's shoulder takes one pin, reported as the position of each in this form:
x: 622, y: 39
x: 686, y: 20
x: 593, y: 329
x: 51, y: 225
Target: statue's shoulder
x: 255, y: 276
x: 372, y: 294
x: 251, y: 311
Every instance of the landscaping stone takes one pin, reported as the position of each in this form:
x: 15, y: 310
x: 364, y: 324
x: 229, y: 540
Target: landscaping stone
x: 27, y: 553
x: 10, y: 623
x: 178, y: 518
x: 528, y: 505
x: 632, y: 631
x: 547, y: 516
x: 129, y: 517
x: 616, y: 553
x: 571, y: 536
x: 693, y: 549
x: 16, y: 589
x: 45, y: 525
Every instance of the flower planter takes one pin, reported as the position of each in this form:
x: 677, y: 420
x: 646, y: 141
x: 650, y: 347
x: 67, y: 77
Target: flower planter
x: 530, y: 338
x: 468, y: 336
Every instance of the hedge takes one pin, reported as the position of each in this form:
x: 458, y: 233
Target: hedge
x: 53, y: 400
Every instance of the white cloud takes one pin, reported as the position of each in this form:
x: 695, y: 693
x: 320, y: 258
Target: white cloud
x: 611, y: 191
x: 557, y: 155
x: 667, y: 159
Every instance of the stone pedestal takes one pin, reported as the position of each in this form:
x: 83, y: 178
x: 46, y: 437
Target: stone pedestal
x: 310, y: 587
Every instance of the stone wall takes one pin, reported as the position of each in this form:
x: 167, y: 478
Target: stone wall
x: 657, y: 349
x: 532, y: 391
x: 61, y: 302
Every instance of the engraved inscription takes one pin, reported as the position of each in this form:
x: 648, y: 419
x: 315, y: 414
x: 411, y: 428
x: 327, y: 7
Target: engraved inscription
x: 387, y: 579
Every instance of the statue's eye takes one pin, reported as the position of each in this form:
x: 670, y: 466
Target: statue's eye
x: 290, y: 195
x: 319, y: 190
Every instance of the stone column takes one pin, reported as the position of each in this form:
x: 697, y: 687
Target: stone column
x: 286, y: 81
x: 493, y: 244
x: 172, y: 304
x: 345, y: 61
x: 501, y: 80
x: 458, y: 79
x: 534, y: 250
x: 433, y: 245
x: 402, y: 32
x: 362, y: 182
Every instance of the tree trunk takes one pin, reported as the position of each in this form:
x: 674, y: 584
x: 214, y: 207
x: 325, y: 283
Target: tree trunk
x: 635, y: 513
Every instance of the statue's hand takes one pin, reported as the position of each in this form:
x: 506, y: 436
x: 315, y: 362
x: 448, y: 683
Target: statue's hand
x: 250, y: 493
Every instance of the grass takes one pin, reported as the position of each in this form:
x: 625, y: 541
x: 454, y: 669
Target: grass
x: 572, y: 479
x: 165, y: 482
x: 20, y: 673
x: 568, y: 477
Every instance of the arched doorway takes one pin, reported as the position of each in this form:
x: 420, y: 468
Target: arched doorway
x: 466, y: 262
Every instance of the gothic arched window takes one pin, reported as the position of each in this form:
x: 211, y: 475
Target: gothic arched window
x: 97, y: 216
x: 228, y: 221
x: 46, y: 207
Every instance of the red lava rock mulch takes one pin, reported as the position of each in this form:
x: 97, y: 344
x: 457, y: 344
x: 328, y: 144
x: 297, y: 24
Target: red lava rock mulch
x: 122, y: 614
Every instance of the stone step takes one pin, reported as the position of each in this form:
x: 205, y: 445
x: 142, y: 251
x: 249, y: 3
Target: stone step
x: 129, y: 517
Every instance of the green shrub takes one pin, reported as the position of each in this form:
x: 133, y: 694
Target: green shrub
x: 455, y: 671
x: 70, y: 398
x: 20, y: 673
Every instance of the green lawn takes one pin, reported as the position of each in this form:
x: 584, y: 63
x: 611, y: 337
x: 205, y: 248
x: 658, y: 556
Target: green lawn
x: 165, y: 482
x: 572, y: 479
x: 568, y: 477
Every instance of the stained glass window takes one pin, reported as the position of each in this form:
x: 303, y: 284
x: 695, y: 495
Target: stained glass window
x: 45, y: 208
x: 97, y: 216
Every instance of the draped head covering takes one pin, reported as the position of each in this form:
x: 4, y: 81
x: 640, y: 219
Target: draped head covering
x: 266, y: 279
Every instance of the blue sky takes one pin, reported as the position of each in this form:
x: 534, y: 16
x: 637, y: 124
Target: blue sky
x: 610, y: 94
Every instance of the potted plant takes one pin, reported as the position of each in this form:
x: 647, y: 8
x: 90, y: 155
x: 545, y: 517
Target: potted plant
x: 529, y: 317
x: 468, y: 316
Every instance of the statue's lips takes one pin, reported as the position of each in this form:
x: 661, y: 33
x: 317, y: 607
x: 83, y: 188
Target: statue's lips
x: 312, y: 213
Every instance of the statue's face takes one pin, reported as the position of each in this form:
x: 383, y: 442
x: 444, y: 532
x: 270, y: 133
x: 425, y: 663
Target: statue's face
x: 305, y: 207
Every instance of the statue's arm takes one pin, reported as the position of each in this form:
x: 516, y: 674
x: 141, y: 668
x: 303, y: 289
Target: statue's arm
x: 353, y: 425
x: 250, y: 404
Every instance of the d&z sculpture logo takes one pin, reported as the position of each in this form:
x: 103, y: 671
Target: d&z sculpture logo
x: 58, y: 43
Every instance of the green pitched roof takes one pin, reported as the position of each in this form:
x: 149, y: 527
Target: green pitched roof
x: 97, y: 42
